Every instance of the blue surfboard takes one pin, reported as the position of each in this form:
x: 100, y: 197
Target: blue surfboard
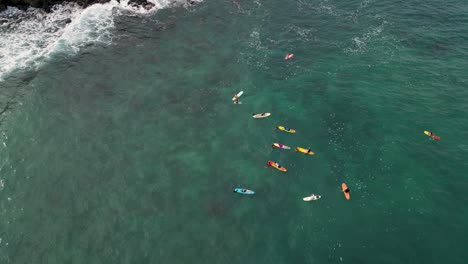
x: 243, y: 191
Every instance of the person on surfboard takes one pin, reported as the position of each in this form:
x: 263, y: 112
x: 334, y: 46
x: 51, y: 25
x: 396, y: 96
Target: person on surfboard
x: 433, y: 136
x: 236, y: 99
x: 285, y: 128
x: 269, y: 164
x: 288, y: 56
x: 280, y: 145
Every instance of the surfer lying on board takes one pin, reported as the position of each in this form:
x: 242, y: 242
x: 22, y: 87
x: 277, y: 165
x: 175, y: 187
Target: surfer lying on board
x: 285, y: 128
x: 432, y: 135
x: 236, y: 97
x: 346, y: 190
x: 288, y: 56
x: 269, y: 164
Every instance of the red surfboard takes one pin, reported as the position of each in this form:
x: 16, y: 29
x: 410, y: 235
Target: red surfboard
x: 431, y: 135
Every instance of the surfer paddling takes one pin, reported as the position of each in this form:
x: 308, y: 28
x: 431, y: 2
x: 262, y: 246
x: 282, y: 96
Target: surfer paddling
x: 235, y: 98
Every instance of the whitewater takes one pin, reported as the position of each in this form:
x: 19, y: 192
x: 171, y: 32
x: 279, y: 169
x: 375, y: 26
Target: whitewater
x: 29, y: 38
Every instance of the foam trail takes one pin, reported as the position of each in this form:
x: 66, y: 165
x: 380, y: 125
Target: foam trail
x: 28, y: 38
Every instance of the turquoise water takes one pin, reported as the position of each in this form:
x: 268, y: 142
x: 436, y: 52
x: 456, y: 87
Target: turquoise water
x: 128, y: 153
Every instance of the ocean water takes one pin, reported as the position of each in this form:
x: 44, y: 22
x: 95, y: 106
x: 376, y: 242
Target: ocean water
x: 120, y: 142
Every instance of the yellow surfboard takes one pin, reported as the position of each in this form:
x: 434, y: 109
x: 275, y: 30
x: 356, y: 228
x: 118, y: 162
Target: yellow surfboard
x: 305, y: 151
x: 286, y: 129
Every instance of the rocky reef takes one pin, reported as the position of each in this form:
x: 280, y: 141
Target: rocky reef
x: 44, y: 4
x: 47, y: 4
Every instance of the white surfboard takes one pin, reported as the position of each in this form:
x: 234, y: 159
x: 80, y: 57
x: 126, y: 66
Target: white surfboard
x: 261, y: 115
x: 281, y: 146
x: 312, y: 197
x: 239, y: 94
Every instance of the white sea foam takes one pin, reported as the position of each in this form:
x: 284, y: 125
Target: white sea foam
x: 28, y: 38
x: 360, y: 43
x: 259, y: 58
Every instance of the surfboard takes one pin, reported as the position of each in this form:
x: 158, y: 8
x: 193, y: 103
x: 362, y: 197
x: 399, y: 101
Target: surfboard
x: 277, y: 166
x: 344, y: 187
x: 236, y: 96
x: 288, y: 56
x: 243, y: 191
x: 286, y: 129
x: 305, y: 151
x: 281, y: 146
x: 432, y: 135
x: 261, y: 115
x: 312, y: 197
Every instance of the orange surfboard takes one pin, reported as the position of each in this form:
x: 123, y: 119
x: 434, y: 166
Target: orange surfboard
x: 277, y: 166
x: 346, y: 191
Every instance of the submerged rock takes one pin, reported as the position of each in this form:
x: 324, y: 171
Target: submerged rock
x: 148, y: 6
x: 144, y: 3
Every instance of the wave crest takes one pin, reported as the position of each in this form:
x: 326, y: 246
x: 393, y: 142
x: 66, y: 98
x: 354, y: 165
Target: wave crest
x: 30, y: 37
